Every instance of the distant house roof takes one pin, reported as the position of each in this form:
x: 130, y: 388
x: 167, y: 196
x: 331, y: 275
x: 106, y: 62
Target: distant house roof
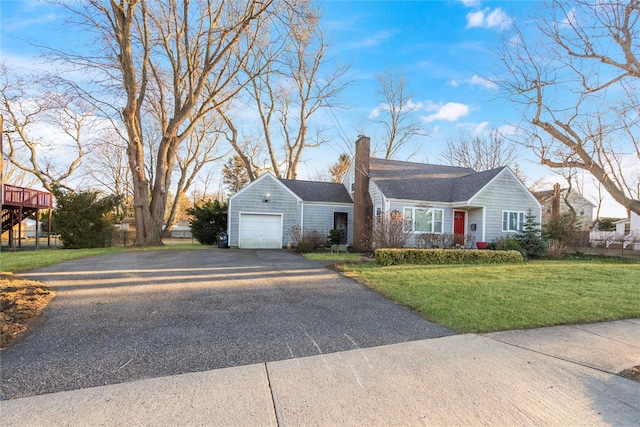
x: 313, y: 191
x: 546, y: 195
x: 434, y: 183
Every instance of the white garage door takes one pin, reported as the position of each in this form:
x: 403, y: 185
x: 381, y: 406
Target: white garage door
x: 258, y: 231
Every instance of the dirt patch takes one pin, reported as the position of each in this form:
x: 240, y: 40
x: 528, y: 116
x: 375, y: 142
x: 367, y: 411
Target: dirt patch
x: 632, y: 373
x: 21, y: 300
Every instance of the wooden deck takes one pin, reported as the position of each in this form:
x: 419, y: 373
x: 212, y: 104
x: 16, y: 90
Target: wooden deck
x: 18, y: 203
x: 26, y: 197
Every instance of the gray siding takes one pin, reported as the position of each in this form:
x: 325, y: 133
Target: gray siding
x: 319, y: 217
x: 504, y: 193
x: 474, y: 216
x: 251, y: 200
x: 377, y: 198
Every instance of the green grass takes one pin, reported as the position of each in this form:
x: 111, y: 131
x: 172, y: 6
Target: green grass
x: 478, y: 298
x: 16, y: 262
x: 332, y: 257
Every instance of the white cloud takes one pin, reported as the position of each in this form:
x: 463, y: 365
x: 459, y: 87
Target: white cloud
x: 508, y: 130
x: 451, y: 111
x: 482, y: 82
x: 480, y: 128
x: 410, y: 105
x: 470, y: 3
x: 475, y: 81
x: 374, y: 40
x: 489, y: 19
x: 570, y: 19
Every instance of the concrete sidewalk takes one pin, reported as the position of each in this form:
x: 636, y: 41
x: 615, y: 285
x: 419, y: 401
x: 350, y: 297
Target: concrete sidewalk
x: 550, y: 376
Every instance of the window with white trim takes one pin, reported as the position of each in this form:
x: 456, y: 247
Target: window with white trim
x: 512, y: 221
x: 353, y: 182
x: 423, y: 220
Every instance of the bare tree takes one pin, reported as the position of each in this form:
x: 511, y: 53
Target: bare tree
x: 32, y: 107
x: 480, y: 152
x: 188, y: 54
x: 107, y: 165
x: 578, y: 89
x: 396, y: 114
x: 292, y: 81
x: 200, y: 149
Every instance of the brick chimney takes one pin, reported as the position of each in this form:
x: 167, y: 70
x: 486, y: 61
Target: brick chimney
x: 362, y: 205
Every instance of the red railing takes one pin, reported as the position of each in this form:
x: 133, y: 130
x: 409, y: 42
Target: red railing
x: 26, y: 197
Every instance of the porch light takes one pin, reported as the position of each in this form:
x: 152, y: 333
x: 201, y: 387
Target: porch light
x: 267, y: 197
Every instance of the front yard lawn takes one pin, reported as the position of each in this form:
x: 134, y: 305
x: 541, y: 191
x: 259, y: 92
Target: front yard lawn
x: 485, y: 298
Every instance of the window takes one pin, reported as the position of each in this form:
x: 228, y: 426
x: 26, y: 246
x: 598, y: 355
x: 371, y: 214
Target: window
x: 408, y: 219
x: 353, y: 182
x: 378, y: 211
x: 512, y: 221
x: 423, y: 220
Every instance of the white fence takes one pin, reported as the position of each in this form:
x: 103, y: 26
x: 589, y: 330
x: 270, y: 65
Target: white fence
x: 605, y: 239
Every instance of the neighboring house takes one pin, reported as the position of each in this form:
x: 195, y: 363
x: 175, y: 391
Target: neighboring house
x: 628, y: 225
x: 582, y: 207
x: 627, y: 234
x: 262, y: 214
x: 432, y: 198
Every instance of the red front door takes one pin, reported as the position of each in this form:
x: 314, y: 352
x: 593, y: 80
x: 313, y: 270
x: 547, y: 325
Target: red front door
x: 458, y: 227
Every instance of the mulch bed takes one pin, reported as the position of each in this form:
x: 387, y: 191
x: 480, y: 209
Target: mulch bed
x: 21, y: 300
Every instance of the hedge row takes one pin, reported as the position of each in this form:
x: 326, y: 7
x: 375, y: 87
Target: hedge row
x: 445, y: 256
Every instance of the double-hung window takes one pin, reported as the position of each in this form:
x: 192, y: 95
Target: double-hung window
x: 512, y: 221
x: 423, y: 220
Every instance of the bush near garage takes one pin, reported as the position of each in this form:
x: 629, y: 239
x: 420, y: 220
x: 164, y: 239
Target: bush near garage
x: 208, y: 219
x: 445, y: 256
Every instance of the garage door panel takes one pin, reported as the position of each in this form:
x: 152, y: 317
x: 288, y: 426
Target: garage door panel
x: 259, y: 231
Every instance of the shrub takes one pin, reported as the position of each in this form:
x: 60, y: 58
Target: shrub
x: 337, y: 237
x: 388, y: 231
x: 564, y: 228
x: 83, y: 219
x: 315, y: 238
x: 556, y: 249
x: 443, y: 240
x: 305, y: 242
x: 506, y: 244
x: 208, y: 219
x: 445, y: 256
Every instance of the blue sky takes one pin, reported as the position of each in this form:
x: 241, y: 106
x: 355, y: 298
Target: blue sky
x: 445, y: 48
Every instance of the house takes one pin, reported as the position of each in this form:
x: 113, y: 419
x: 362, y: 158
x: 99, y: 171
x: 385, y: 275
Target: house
x: 264, y: 213
x: 628, y: 225
x: 565, y: 200
x: 432, y: 198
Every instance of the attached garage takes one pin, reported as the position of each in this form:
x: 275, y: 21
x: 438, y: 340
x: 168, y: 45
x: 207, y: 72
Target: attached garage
x: 260, y: 231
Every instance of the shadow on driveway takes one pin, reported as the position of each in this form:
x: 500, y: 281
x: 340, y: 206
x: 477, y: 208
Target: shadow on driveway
x: 135, y: 315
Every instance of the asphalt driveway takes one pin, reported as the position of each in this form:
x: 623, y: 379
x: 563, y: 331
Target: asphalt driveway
x: 148, y: 314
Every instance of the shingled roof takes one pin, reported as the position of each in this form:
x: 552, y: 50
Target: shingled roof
x: 433, y: 183
x: 314, y: 191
